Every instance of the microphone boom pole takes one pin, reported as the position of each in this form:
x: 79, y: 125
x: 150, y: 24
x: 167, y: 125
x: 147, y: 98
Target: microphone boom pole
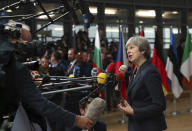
x: 66, y: 90
x: 44, y: 26
x: 33, y: 16
x: 46, y: 13
x: 10, y: 6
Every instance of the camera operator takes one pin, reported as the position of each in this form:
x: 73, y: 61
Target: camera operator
x: 18, y: 86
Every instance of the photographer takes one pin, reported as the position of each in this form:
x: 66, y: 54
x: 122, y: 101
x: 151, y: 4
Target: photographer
x: 17, y: 86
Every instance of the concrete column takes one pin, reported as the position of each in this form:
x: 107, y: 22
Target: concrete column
x: 68, y: 23
x: 159, y: 24
x: 101, y: 16
x: 183, y: 23
x: 131, y: 21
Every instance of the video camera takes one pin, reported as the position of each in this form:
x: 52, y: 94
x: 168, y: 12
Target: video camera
x: 25, y: 50
x: 13, y: 32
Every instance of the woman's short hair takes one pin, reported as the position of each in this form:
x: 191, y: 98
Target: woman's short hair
x: 142, y: 43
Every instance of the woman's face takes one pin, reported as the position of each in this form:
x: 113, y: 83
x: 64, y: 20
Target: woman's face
x: 134, y: 55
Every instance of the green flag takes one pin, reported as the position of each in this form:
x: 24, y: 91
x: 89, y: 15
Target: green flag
x: 97, y: 63
x: 186, y: 63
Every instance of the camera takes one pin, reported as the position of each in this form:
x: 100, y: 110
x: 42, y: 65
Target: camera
x: 13, y: 32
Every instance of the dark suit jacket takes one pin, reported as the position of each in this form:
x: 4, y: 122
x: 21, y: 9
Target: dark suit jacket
x: 146, y: 97
x: 75, y: 69
x: 20, y: 87
x: 99, y: 126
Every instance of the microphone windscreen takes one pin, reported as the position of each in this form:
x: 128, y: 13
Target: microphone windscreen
x: 120, y: 76
x: 123, y: 68
x: 71, y: 76
x: 111, y: 68
x: 94, y: 72
x: 102, y: 78
x: 95, y: 109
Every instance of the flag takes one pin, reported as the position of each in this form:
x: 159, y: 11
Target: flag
x: 121, y: 59
x: 141, y: 32
x: 186, y: 62
x: 158, y: 62
x: 172, y: 68
x: 97, y: 63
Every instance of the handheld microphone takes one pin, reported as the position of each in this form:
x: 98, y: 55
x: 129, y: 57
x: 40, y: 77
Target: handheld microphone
x: 111, y: 68
x: 123, y: 68
x: 94, y: 72
x: 120, y: 76
x: 95, y: 109
x: 102, y: 78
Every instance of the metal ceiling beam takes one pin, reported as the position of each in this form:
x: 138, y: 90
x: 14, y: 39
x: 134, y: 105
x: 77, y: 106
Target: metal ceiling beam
x: 137, y: 4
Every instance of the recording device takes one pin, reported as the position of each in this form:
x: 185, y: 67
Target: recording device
x: 95, y: 109
x: 22, y: 50
x: 30, y: 49
x: 11, y: 31
x: 120, y: 76
x: 94, y: 72
x: 110, y: 72
x: 123, y: 68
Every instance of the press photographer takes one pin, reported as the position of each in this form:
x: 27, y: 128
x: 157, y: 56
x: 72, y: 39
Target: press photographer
x: 18, y: 87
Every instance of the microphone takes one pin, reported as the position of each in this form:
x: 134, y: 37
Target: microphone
x: 111, y: 73
x: 102, y: 78
x: 94, y: 72
x: 123, y: 68
x: 111, y: 68
x: 120, y: 76
x: 95, y: 109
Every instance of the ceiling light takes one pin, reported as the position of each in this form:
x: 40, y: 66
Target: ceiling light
x: 93, y: 10
x: 9, y: 11
x: 110, y: 11
x: 141, y: 22
x: 145, y: 13
x: 175, y: 12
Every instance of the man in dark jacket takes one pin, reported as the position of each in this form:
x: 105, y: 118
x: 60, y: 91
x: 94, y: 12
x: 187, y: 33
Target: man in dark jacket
x: 19, y: 87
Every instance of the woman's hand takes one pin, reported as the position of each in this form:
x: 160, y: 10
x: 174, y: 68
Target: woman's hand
x: 125, y: 107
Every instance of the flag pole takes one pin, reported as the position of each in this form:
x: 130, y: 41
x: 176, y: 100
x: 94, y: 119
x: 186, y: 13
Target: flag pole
x: 190, y: 109
x: 175, y: 112
x: 123, y: 120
